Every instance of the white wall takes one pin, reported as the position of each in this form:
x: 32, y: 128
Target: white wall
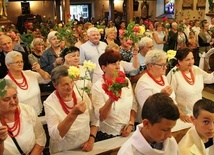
x: 159, y: 7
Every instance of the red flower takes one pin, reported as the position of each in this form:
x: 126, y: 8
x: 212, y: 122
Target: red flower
x: 164, y: 19
x: 69, y: 15
x: 136, y: 29
x: 121, y: 32
x: 114, y: 88
x: 130, y: 42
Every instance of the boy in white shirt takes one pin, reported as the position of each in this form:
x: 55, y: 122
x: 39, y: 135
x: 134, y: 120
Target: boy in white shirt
x: 199, y: 138
x: 153, y: 136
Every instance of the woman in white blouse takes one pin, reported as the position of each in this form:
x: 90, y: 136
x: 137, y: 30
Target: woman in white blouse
x: 116, y: 117
x: 154, y: 81
x: 70, y: 120
x: 19, y: 122
x: 188, y: 80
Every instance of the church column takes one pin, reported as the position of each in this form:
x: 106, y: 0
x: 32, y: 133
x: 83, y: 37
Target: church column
x: 129, y: 10
x: 111, y: 10
x: 65, y: 10
x: 57, y: 13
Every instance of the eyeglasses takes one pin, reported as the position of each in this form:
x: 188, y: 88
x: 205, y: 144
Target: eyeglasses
x: 161, y: 65
x: 17, y: 62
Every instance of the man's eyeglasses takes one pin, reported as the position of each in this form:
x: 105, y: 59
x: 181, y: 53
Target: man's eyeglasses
x: 17, y: 62
x: 161, y: 65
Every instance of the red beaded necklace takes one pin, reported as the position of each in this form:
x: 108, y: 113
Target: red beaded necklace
x: 160, y: 82
x: 190, y: 80
x: 65, y: 107
x: 23, y: 85
x: 16, y: 126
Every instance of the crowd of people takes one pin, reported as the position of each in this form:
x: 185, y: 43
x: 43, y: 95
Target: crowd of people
x: 154, y: 96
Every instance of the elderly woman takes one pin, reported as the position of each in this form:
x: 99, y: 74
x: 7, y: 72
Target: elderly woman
x: 19, y: 124
x: 27, y: 81
x: 70, y: 119
x: 51, y: 57
x: 116, y: 117
x: 154, y: 80
x: 37, y: 48
x: 188, y: 80
x: 71, y: 57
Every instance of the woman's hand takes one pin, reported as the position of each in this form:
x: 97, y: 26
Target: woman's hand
x: 185, y: 118
x: 167, y: 90
x: 36, y: 66
x: 3, y: 133
x: 78, y: 108
x: 135, y: 49
x: 88, y: 146
x: 126, y: 130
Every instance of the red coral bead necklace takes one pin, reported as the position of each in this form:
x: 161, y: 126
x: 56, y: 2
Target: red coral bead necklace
x: 23, y: 85
x: 159, y: 82
x: 64, y: 106
x: 16, y: 126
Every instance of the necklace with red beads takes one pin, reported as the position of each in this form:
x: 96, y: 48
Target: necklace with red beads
x: 159, y: 82
x: 16, y: 126
x: 23, y: 85
x: 64, y: 106
x: 190, y: 80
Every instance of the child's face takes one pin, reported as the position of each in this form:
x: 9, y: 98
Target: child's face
x: 159, y: 132
x: 204, y: 124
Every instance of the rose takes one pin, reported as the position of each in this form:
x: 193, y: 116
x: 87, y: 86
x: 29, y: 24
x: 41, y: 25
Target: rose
x: 89, y: 65
x: 121, y: 32
x: 114, y: 88
x: 60, y: 25
x: 73, y: 72
x: 142, y: 30
x: 136, y: 29
x: 130, y: 42
x: 171, y: 54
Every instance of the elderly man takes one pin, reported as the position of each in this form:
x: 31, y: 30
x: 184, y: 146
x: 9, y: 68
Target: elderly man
x: 6, y: 45
x: 172, y: 38
x: 91, y: 50
x: 145, y: 45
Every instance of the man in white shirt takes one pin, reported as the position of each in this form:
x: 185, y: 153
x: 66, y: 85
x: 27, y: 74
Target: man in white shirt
x: 91, y: 50
x: 153, y: 136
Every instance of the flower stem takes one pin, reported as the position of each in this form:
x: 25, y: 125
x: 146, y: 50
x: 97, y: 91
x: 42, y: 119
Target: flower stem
x: 78, y: 90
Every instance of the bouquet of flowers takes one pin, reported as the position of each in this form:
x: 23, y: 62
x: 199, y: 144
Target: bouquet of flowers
x: 170, y: 57
x: 113, y: 88
x: 133, y: 33
x: 74, y: 74
x: 2, y: 86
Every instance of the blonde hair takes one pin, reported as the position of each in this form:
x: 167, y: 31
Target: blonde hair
x: 110, y: 30
x: 113, y: 47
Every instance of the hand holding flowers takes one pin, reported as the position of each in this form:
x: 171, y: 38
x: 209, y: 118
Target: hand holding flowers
x: 113, y: 88
x: 74, y: 74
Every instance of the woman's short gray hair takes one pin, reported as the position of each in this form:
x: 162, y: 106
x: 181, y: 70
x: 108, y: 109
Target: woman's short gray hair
x: 51, y: 35
x: 144, y: 41
x: 92, y: 29
x: 153, y: 56
x: 10, y: 56
x: 57, y: 72
x: 9, y: 84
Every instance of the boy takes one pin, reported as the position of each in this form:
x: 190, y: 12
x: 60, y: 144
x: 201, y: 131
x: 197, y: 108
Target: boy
x: 153, y: 135
x: 199, y: 138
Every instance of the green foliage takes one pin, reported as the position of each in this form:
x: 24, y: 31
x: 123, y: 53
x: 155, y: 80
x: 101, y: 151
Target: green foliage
x: 66, y: 33
x: 2, y: 86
